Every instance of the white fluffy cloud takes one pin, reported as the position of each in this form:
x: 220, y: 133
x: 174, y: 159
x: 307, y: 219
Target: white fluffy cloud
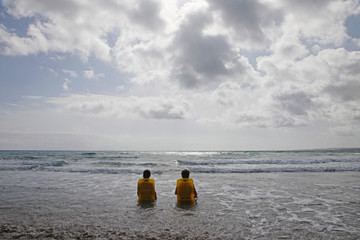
x: 324, y: 87
x: 90, y: 74
x: 302, y: 73
x: 124, y: 107
x: 77, y: 27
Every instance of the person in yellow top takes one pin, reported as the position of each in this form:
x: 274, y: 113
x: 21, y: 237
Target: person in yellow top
x: 146, y: 188
x: 185, y: 189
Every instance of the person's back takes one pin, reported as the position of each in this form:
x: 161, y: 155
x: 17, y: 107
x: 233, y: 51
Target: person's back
x: 185, y: 189
x: 146, y: 188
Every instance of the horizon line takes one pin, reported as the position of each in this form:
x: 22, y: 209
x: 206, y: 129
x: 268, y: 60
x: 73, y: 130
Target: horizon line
x: 209, y: 150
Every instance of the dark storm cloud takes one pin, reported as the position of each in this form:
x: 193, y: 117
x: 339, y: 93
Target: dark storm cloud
x: 247, y: 17
x: 199, y: 58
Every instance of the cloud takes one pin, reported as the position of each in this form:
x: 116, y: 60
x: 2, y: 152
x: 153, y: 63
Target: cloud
x: 66, y: 84
x: 53, y: 72
x: 89, y: 74
x: 146, y: 14
x: 70, y: 26
x: 296, y: 103
x: 32, y: 97
x: 124, y: 107
x: 11, y: 44
x: 302, y: 72
x: 77, y: 27
x: 345, y: 91
x: 120, y: 88
x: 346, y: 131
x: 322, y: 88
x: 249, y: 20
x: 200, y: 58
x: 321, y: 21
x: 255, y: 106
x: 197, y: 57
x: 71, y: 73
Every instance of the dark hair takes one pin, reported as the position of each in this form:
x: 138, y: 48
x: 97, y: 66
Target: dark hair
x: 185, y: 173
x: 146, y: 174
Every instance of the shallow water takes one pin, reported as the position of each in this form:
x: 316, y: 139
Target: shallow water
x: 96, y: 204
x: 230, y: 206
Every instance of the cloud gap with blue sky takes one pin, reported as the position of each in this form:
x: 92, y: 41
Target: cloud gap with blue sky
x: 179, y: 75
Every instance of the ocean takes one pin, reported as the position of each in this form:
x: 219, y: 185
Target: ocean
x: 308, y: 194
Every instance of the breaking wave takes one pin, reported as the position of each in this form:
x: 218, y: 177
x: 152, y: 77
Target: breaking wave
x: 274, y: 170
x: 261, y: 162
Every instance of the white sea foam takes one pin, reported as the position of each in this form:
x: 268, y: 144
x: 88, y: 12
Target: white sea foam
x: 69, y: 195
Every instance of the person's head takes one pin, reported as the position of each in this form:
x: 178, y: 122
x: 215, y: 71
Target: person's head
x: 146, y: 174
x: 185, y: 173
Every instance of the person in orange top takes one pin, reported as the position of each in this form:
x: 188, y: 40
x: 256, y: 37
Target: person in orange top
x: 146, y: 188
x: 185, y: 189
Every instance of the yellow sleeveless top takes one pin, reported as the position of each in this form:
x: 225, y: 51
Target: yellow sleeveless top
x: 185, y: 190
x: 146, y: 189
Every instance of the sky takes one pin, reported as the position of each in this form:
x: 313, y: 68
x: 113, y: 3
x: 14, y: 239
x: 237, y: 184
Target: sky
x: 179, y: 75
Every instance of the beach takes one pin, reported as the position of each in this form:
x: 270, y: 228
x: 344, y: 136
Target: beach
x: 74, y: 204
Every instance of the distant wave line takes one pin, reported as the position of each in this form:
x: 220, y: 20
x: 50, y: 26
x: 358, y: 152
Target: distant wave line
x: 274, y: 170
x: 101, y: 170
x: 77, y: 170
x: 110, y: 157
x: 262, y: 162
x: 119, y: 164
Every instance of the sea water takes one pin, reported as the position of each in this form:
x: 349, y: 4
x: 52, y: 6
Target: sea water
x: 241, y: 195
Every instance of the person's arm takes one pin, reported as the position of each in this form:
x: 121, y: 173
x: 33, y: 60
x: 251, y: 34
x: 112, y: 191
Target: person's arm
x: 155, y: 191
x: 176, y: 190
x: 195, y: 193
x: 138, y: 189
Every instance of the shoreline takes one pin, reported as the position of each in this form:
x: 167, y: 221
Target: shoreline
x: 257, y: 206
